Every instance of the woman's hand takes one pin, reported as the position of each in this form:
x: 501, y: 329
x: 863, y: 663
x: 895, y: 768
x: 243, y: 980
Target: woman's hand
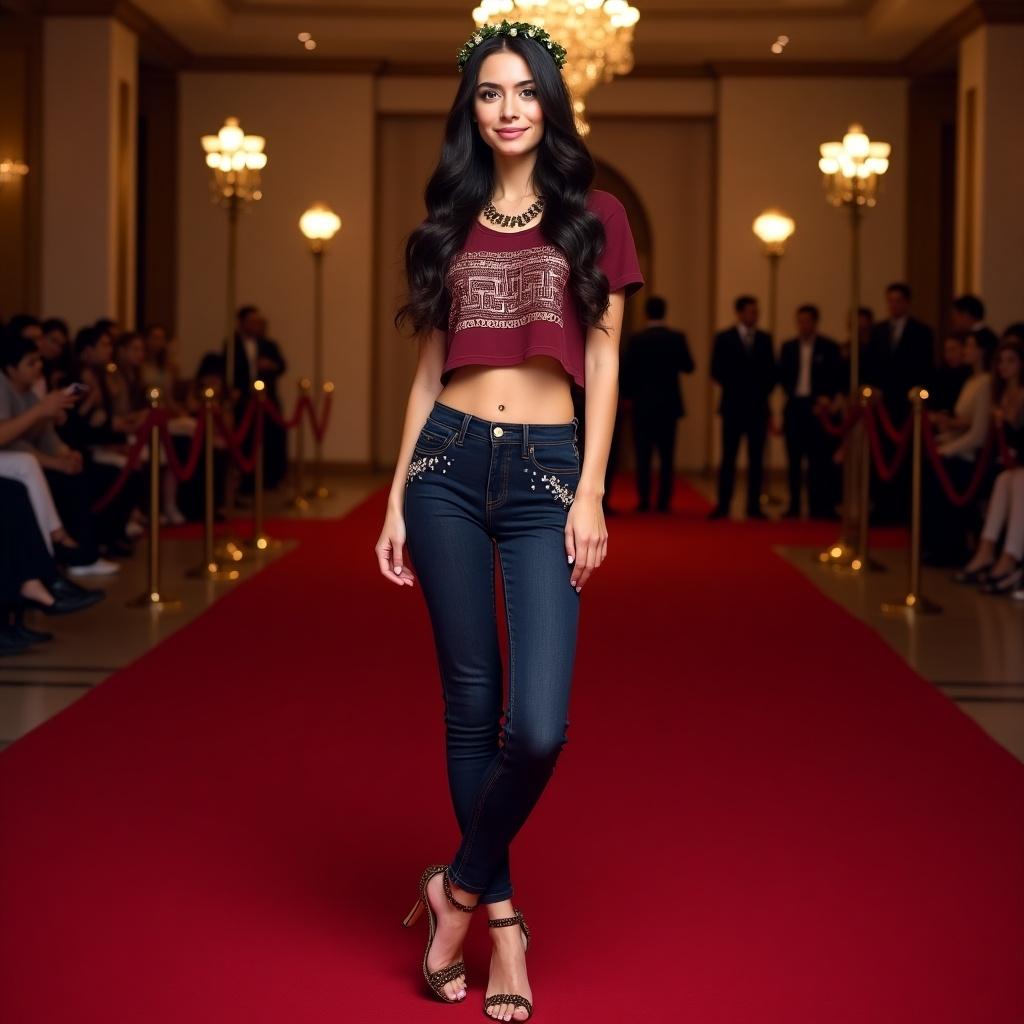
x: 389, y: 550
x: 586, y: 536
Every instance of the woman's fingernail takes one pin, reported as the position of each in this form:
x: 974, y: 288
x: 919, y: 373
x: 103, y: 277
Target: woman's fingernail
x: 398, y: 570
x: 571, y: 559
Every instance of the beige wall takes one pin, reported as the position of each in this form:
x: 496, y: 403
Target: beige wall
x: 990, y: 218
x: 320, y: 143
x: 769, y: 130
x: 88, y: 157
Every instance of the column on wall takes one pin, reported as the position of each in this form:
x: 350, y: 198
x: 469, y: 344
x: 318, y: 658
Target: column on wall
x: 90, y: 71
x: 990, y: 153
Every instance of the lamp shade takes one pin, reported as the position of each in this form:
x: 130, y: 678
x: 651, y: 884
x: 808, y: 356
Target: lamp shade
x: 319, y: 223
x: 773, y: 227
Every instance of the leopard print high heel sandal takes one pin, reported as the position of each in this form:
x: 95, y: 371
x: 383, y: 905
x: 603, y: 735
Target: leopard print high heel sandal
x: 436, y: 980
x: 512, y: 998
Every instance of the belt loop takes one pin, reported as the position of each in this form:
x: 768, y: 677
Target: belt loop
x: 463, y: 428
x: 526, y: 440
x: 575, y: 427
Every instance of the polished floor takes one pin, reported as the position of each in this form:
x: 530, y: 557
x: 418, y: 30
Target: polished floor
x: 973, y: 650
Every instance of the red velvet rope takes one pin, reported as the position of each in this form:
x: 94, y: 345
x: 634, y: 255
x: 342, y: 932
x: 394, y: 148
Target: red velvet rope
x: 841, y: 429
x: 234, y: 439
x: 894, y: 435
x: 320, y: 429
x: 293, y: 421
x: 980, y: 466
x: 886, y: 471
x: 158, y: 416
x: 184, y: 471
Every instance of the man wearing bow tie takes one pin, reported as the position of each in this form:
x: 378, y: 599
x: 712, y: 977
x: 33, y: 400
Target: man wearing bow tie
x: 809, y: 372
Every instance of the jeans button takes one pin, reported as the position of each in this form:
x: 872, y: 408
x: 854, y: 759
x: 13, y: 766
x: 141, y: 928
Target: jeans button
x: 498, y: 431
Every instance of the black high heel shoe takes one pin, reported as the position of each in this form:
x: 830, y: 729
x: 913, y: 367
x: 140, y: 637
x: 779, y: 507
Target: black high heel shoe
x: 979, y: 575
x: 436, y: 980
x: 1004, y: 584
x: 512, y: 998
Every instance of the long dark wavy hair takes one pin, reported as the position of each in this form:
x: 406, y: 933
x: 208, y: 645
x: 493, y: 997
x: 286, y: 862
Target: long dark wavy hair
x: 463, y: 183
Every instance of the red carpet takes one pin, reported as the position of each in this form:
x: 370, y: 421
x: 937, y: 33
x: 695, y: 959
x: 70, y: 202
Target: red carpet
x: 762, y: 815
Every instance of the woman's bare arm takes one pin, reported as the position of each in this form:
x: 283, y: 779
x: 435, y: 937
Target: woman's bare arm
x: 426, y: 386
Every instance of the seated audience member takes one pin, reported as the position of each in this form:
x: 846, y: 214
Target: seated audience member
x: 27, y: 427
x: 961, y: 436
x: 968, y: 317
x: 55, y: 348
x: 97, y: 431
x: 1001, y: 573
x: 160, y: 368
x: 128, y: 389
x: 950, y: 376
x: 28, y: 576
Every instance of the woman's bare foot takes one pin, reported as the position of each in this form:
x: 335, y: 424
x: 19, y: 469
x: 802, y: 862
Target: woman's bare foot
x: 452, y: 925
x: 34, y: 590
x: 508, y: 965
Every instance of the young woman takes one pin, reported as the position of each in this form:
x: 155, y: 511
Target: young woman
x: 1001, y: 574
x: 517, y: 284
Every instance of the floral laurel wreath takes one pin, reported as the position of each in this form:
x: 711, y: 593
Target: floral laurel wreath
x: 510, y: 28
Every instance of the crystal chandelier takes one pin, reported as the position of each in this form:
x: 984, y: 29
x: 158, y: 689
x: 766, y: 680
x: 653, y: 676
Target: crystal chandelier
x: 598, y: 35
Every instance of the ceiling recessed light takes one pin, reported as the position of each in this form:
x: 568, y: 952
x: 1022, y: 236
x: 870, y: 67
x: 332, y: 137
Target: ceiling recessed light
x: 310, y: 44
x: 303, y: 36
x: 777, y: 47
x: 783, y: 40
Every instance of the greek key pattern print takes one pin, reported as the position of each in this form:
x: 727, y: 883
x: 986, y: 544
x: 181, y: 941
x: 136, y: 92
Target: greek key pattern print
x: 507, y: 289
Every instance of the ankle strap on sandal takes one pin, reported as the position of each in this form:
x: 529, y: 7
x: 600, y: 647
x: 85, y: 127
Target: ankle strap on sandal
x: 464, y: 907
x: 505, y: 922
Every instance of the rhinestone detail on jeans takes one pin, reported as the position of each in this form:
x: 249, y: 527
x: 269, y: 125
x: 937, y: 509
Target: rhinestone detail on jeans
x: 417, y: 467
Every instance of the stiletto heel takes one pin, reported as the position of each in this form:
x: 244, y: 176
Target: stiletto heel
x: 512, y: 998
x: 436, y: 980
x: 414, y: 915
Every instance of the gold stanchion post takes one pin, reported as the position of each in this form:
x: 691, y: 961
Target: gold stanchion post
x: 259, y: 541
x: 210, y: 569
x: 862, y: 560
x: 299, y: 500
x: 915, y: 601
x: 152, y: 598
x: 320, y: 490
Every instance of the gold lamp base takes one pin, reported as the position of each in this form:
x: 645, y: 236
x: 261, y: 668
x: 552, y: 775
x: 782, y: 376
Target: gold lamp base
x: 911, y: 603
x: 154, y: 599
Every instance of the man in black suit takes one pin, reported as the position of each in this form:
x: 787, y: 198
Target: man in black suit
x: 258, y: 357
x: 649, y: 378
x: 900, y: 356
x: 743, y: 363
x: 810, y: 372
x: 900, y: 353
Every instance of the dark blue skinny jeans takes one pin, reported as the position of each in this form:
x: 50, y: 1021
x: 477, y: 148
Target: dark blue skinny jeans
x: 473, y: 486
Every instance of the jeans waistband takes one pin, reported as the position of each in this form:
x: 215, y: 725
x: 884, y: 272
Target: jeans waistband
x: 511, y: 433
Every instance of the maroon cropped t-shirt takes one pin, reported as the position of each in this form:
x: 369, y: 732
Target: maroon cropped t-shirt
x: 510, y: 297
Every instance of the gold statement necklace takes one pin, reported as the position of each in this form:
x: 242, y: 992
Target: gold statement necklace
x: 513, y: 220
